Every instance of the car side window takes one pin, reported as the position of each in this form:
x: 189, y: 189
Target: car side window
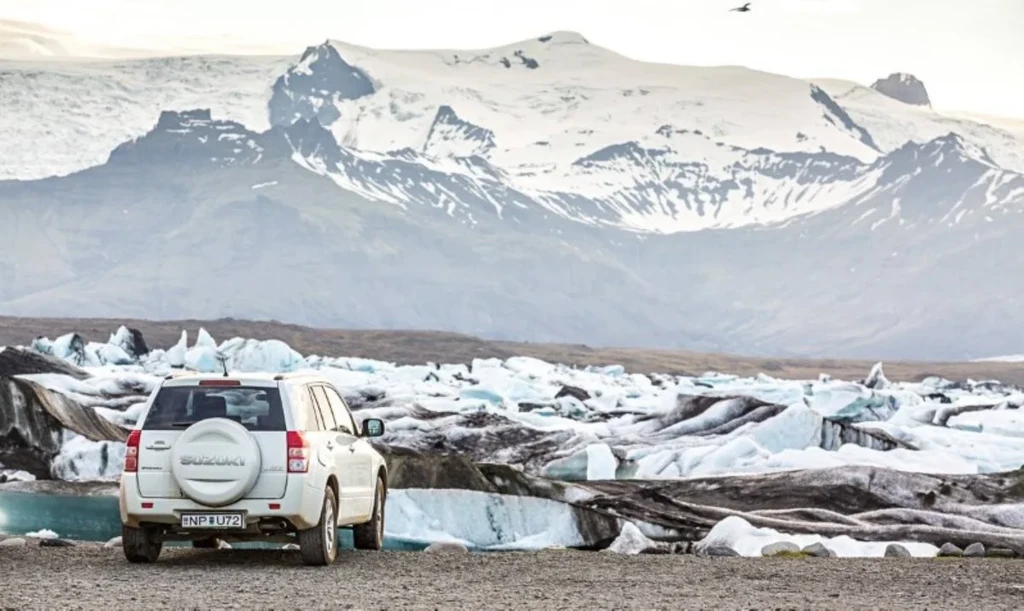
x: 314, y: 418
x: 330, y: 424
x: 341, y: 411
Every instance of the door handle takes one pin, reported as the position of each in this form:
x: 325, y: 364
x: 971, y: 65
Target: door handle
x: 159, y: 447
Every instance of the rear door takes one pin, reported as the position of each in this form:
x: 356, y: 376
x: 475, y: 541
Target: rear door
x: 341, y: 449
x: 254, y: 404
x: 362, y: 452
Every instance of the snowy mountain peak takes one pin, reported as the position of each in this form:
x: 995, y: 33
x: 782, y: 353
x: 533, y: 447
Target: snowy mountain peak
x: 946, y: 149
x: 189, y: 137
x: 314, y: 86
x: 564, y: 37
x: 451, y: 136
x: 903, y: 87
x: 549, y: 166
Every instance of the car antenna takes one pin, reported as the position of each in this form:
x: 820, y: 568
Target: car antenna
x: 223, y: 363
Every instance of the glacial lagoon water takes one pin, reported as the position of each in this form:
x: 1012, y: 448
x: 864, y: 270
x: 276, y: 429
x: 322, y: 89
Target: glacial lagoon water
x: 96, y: 518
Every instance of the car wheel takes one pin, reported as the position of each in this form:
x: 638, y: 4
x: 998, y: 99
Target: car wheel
x: 371, y: 534
x: 140, y: 544
x: 319, y: 545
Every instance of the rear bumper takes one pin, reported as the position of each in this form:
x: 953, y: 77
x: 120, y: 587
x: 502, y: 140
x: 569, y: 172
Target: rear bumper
x: 300, y: 506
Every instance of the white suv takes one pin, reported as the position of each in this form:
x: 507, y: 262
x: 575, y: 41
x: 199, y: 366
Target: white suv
x: 255, y: 457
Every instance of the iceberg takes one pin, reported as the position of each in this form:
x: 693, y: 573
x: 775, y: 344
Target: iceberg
x: 590, y: 423
x: 737, y: 534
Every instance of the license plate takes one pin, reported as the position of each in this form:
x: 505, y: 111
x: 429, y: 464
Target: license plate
x: 213, y: 520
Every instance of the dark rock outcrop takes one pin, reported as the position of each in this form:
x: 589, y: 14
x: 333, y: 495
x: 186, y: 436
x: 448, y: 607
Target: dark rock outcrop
x: 835, y: 115
x: 485, y: 437
x: 864, y: 503
x: 572, y: 391
x: 307, y: 137
x: 32, y: 422
x: 693, y: 416
x: 835, y: 433
x: 780, y: 548
x: 135, y: 344
x: 452, y: 135
x: 816, y: 550
x: 903, y: 87
x: 19, y: 361
x: 190, y: 138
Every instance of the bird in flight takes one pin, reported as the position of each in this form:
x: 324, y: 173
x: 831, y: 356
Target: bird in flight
x: 741, y: 9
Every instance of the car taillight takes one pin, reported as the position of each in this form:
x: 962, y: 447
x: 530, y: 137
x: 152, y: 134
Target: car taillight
x: 298, y: 452
x: 131, y: 452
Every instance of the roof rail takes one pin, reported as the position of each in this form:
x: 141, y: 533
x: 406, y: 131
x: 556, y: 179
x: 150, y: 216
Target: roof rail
x: 179, y: 373
x: 293, y: 374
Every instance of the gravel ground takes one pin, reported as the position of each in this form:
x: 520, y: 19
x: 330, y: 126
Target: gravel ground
x: 90, y: 577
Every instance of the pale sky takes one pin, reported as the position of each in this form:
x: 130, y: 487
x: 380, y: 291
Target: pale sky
x: 969, y: 53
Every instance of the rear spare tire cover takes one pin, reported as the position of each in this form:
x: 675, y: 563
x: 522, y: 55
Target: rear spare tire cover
x: 215, y: 461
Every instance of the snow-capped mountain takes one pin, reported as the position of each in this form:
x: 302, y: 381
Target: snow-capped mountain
x: 548, y: 190
x: 904, y: 88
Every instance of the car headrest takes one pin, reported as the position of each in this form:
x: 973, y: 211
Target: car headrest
x: 212, y: 407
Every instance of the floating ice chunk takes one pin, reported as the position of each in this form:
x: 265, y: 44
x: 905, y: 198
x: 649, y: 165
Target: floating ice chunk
x: 83, y: 460
x: 601, y: 463
x: 1006, y: 423
x: 15, y: 475
x: 480, y: 364
x: 630, y: 541
x: 45, y: 533
x: 609, y: 370
x: 796, y: 427
x: 572, y: 468
x: 480, y: 520
x: 71, y: 348
x: 203, y: 356
x: 747, y: 540
x: 42, y: 345
x: 175, y: 357
x: 876, y: 379
x: 121, y: 338
x: 109, y: 354
x: 204, y: 339
x: 203, y: 359
x: 357, y: 364
x: 530, y: 367
x: 481, y: 394
x: 592, y: 462
x: 255, y: 355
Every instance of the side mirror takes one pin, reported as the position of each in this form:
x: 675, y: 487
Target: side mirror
x: 373, y: 427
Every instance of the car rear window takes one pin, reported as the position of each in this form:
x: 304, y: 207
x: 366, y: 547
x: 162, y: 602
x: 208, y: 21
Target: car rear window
x: 257, y: 408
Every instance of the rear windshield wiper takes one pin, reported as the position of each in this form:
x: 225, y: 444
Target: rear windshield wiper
x: 182, y: 425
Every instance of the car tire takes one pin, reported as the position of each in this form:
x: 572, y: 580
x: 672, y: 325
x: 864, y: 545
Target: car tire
x: 319, y: 545
x: 370, y: 535
x: 141, y: 545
